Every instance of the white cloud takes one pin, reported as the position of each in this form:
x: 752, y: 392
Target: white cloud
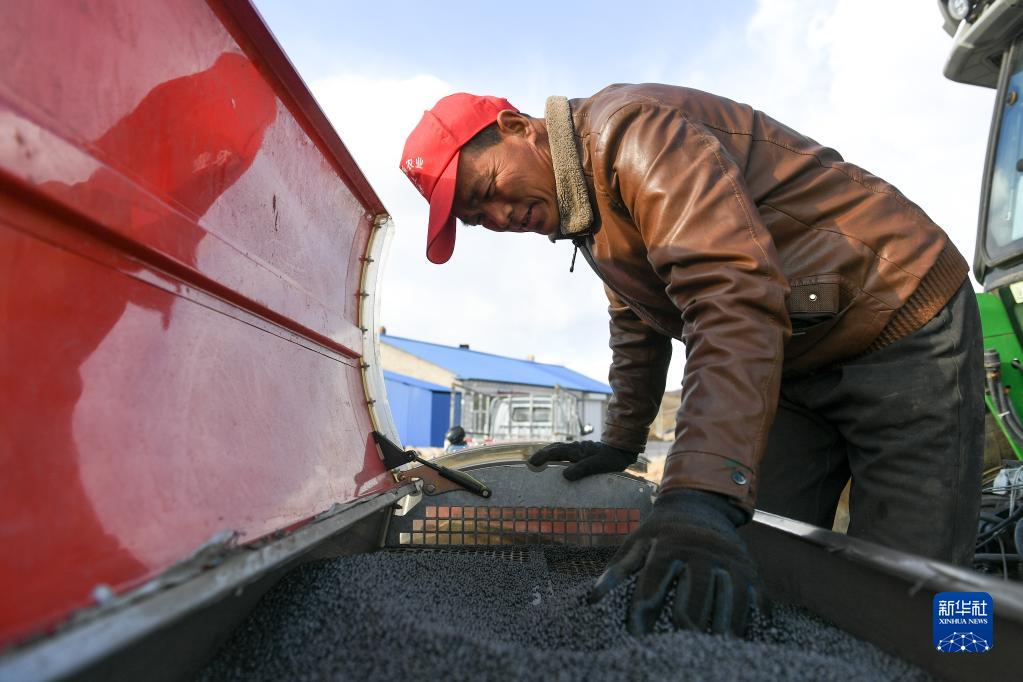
x: 868, y: 82
x: 864, y: 80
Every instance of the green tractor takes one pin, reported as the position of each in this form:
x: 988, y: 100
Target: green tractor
x: 988, y: 51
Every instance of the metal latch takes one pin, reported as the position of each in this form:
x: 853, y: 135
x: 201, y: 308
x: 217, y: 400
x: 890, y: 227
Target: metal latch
x: 395, y: 457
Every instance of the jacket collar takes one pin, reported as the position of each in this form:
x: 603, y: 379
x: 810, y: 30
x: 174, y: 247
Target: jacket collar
x: 573, y: 197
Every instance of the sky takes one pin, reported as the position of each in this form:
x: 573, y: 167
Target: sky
x: 864, y: 78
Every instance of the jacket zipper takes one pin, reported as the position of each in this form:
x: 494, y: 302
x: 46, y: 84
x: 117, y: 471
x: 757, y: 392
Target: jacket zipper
x: 581, y: 243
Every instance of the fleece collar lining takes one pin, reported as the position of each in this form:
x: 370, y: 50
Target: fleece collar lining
x: 573, y: 195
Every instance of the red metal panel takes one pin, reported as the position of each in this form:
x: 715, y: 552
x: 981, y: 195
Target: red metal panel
x: 179, y: 264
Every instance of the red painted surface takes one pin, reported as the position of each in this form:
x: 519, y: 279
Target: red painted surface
x: 179, y: 264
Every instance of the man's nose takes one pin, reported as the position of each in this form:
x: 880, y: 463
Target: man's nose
x: 498, y: 215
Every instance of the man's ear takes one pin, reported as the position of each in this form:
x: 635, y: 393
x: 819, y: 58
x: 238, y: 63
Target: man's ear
x: 511, y: 122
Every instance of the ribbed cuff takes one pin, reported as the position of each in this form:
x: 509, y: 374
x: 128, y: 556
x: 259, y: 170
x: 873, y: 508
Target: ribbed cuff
x: 940, y: 283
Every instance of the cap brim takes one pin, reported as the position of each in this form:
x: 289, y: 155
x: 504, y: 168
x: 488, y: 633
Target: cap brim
x: 440, y: 238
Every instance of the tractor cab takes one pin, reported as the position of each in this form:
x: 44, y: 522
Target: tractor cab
x: 988, y: 51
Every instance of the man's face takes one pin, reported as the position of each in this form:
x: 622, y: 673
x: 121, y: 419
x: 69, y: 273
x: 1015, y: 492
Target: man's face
x: 509, y: 186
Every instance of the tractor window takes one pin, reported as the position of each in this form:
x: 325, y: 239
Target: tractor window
x: 1004, y: 233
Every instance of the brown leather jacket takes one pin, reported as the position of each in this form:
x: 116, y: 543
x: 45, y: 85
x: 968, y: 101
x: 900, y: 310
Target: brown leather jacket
x: 764, y: 252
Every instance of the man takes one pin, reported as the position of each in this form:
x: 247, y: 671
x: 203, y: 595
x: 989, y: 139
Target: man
x: 830, y: 328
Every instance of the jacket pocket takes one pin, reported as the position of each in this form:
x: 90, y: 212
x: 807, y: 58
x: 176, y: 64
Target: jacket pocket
x: 815, y: 304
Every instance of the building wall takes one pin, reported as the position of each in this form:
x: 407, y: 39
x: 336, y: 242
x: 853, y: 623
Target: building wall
x: 420, y: 414
x: 440, y: 418
x: 396, y: 360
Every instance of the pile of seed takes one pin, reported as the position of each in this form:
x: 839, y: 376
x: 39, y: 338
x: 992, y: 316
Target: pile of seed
x: 509, y: 614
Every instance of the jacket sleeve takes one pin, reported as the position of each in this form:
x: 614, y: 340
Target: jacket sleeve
x: 706, y: 242
x: 639, y: 366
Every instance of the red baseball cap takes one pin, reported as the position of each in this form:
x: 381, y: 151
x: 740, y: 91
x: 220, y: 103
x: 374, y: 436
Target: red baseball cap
x: 430, y: 159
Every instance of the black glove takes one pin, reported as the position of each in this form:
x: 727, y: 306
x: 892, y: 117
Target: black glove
x: 587, y: 458
x: 690, y: 537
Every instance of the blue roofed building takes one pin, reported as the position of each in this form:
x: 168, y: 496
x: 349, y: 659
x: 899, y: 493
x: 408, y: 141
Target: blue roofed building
x: 495, y: 398
x: 420, y: 409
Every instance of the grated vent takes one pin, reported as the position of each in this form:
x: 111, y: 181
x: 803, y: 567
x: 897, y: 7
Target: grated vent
x: 583, y: 526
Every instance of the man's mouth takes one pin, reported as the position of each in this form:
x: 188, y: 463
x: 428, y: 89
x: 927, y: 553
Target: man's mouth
x: 526, y: 218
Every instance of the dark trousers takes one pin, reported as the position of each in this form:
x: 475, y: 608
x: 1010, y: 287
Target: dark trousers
x: 905, y: 423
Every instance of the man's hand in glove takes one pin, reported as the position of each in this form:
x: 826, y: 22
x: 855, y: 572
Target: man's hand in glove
x: 587, y: 458
x: 690, y: 538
